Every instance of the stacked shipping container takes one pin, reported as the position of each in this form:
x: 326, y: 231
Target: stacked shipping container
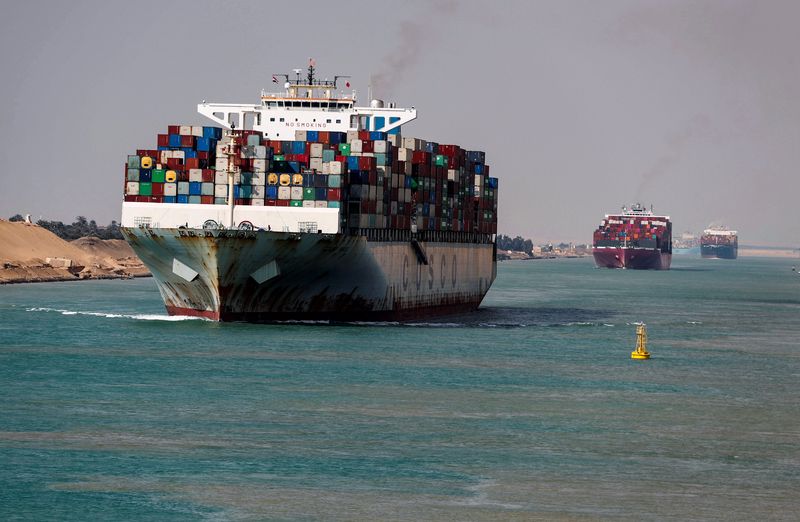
x: 379, y: 181
x: 644, y: 232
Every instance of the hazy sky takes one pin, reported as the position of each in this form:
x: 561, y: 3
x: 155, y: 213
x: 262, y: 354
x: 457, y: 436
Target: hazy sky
x: 581, y: 106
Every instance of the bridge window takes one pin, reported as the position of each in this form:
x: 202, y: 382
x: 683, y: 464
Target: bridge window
x: 327, y: 121
x: 272, y: 119
x: 306, y: 104
x: 338, y: 121
x: 272, y: 104
x: 281, y: 119
x: 315, y: 105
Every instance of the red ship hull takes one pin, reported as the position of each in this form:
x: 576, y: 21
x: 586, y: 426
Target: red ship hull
x: 635, y: 258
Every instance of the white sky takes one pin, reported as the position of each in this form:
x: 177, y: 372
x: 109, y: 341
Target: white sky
x: 581, y: 106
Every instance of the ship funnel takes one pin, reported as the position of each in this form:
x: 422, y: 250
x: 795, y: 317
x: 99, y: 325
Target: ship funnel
x: 376, y: 104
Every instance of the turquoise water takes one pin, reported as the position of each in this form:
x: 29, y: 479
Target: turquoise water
x: 531, y: 408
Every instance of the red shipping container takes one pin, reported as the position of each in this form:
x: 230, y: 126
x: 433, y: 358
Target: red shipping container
x: 240, y: 201
x: 130, y: 198
x: 152, y: 199
x: 158, y: 189
x: 208, y: 176
x: 192, y: 163
x: 334, y: 194
x: 419, y: 157
x: 324, y: 137
x: 367, y: 146
x: 271, y: 203
x: 187, y: 141
x: 282, y: 203
x: 182, y: 175
x: 366, y: 163
x: 174, y: 163
x: 363, y: 135
x: 174, y: 129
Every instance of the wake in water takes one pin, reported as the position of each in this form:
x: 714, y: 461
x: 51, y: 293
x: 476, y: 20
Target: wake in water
x: 137, y: 317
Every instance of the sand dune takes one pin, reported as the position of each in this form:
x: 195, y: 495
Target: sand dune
x: 30, y: 253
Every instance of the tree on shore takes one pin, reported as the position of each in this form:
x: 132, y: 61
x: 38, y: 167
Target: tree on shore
x: 518, y: 244
x: 81, y: 227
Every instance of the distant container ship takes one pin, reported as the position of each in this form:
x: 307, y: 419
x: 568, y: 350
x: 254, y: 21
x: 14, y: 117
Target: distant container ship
x: 635, y: 238
x: 719, y: 243
x: 686, y: 244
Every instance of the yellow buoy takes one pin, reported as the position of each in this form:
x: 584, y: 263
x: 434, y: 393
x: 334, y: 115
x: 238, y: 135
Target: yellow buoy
x: 641, y: 344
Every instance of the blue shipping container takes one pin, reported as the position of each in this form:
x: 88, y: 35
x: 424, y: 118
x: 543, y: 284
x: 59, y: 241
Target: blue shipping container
x: 195, y: 188
x: 272, y: 192
x: 203, y: 144
x: 168, y: 199
x: 183, y: 198
x: 352, y: 162
x: 174, y: 140
x: 145, y: 175
x: 377, y: 135
x: 312, y: 136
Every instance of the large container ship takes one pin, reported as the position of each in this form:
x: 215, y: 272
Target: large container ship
x: 719, y: 243
x: 308, y: 207
x: 635, y: 238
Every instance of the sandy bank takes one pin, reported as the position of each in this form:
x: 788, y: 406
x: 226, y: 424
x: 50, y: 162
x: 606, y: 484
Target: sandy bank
x: 29, y: 253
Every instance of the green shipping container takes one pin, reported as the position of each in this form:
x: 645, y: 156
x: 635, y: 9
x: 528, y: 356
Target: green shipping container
x: 278, y: 157
x: 333, y: 204
x: 344, y: 148
x: 334, y: 181
x: 308, y: 194
x: 158, y: 175
x: 441, y: 161
x: 145, y: 188
x: 328, y: 155
x: 295, y: 203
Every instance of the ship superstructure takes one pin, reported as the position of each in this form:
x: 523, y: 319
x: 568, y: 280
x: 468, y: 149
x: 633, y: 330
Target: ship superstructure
x: 309, y: 207
x: 719, y: 243
x: 635, y: 238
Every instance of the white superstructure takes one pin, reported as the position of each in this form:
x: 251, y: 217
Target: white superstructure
x: 307, y: 104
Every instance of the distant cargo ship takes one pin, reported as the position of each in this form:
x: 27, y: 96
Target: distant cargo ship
x: 719, y: 243
x: 635, y: 238
x: 687, y: 244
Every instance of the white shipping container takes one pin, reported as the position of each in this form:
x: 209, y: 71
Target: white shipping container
x: 404, y: 154
x: 300, y: 135
x: 336, y: 167
x: 308, y: 203
x: 178, y: 154
x: 261, y: 151
x: 195, y: 175
x: 256, y: 191
x: 132, y: 188
x: 395, y: 139
x: 258, y: 179
x: 259, y: 165
x: 373, y: 192
x: 220, y: 149
x: 185, y: 130
x: 286, y: 192
x: 220, y: 191
x: 452, y: 174
x: 356, y: 145
x: 297, y: 193
x: 221, y: 163
x: 326, y: 167
x: 379, y: 146
x: 367, y: 154
x: 315, y: 163
x: 197, y: 131
x: 207, y: 189
x: 221, y: 178
x: 170, y: 189
x: 316, y: 150
x: 352, y: 136
x: 320, y: 204
x: 407, y: 196
x: 164, y: 155
x: 257, y: 202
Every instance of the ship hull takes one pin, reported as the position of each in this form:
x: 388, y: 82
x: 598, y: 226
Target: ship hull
x: 261, y: 276
x: 634, y: 258
x: 719, y: 252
